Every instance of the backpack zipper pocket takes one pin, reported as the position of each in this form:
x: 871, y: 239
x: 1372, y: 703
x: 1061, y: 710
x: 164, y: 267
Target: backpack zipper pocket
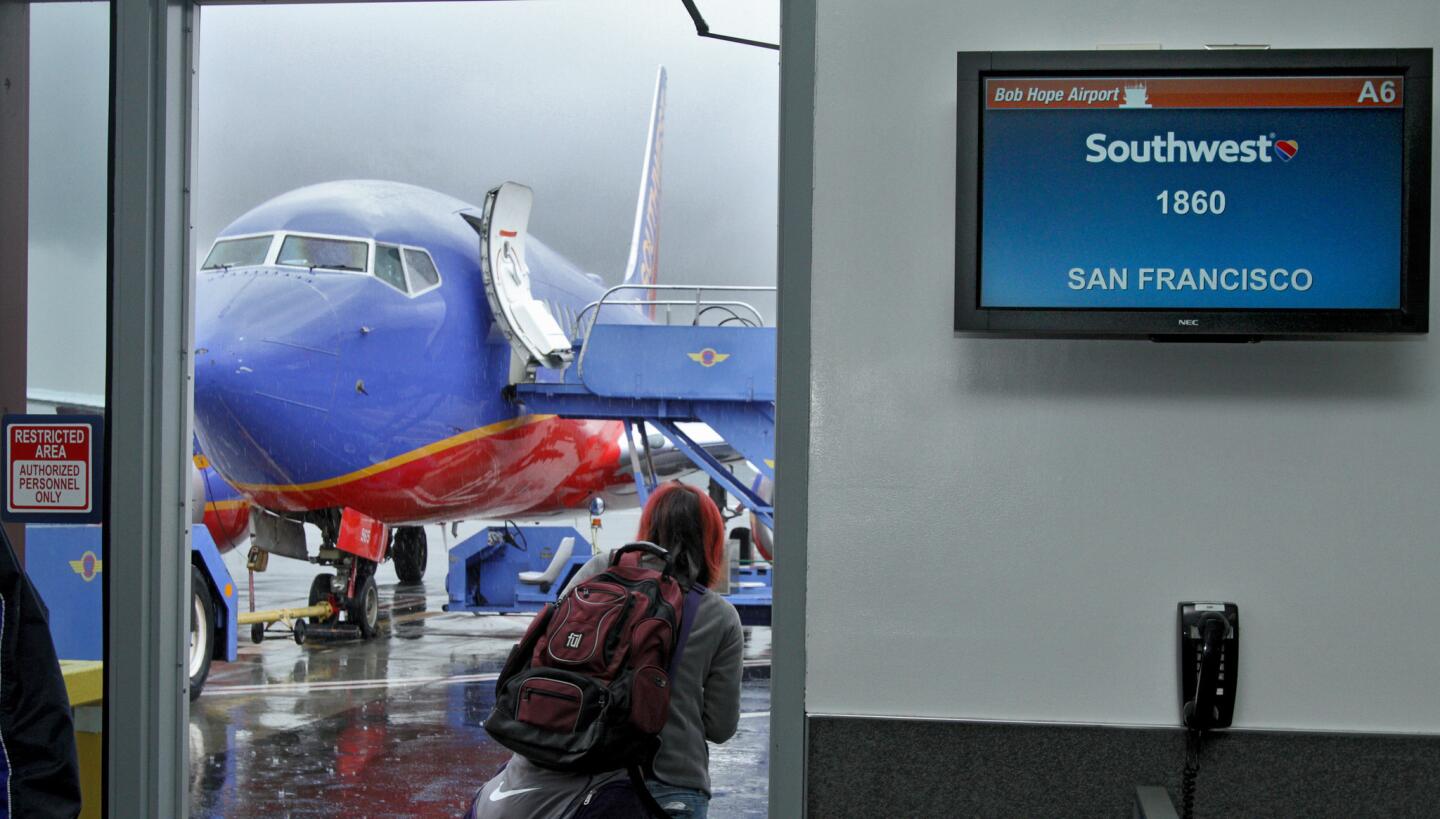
x: 550, y: 704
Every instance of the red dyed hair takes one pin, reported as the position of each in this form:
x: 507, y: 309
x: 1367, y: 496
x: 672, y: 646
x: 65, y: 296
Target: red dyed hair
x: 680, y: 516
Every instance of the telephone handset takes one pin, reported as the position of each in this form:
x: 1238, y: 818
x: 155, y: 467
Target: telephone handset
x: 1209, y: 664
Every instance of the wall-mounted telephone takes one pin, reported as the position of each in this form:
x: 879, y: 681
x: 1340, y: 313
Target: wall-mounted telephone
x: 1209, y: 664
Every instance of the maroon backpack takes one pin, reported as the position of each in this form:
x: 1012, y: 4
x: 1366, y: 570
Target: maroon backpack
x: 588, y: 688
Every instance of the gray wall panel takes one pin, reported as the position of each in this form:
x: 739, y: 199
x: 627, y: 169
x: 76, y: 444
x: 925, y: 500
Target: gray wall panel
x: 792, y: 406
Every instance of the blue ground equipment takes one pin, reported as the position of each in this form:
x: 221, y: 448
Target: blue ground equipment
x: 504, y: 569
x: 516, y: 569
x: 206, y: 557
x: 664, y: 375
x: 64, y: 563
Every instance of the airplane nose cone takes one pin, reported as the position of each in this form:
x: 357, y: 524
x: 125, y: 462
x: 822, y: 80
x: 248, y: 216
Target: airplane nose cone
x: 266, y: 361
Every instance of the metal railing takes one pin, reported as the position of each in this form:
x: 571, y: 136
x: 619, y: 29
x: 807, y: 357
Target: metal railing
x: 700, y: 304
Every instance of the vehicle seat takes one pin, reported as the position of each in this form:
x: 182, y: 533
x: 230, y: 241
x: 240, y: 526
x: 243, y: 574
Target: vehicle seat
x: 557, y: 564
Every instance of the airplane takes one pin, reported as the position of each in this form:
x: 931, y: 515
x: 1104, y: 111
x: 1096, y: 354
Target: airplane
x: 349, y: 372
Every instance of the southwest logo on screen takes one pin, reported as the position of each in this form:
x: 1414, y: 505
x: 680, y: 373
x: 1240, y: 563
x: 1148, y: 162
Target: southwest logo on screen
x: 1170, y: 148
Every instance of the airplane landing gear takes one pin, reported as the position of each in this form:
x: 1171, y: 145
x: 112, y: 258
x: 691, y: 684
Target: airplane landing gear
x: 363, y: 609
x: 409, y: 552
x: 320, y: 590
x: 341, y: 606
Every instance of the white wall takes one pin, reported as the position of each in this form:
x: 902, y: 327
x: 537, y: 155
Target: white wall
x: 1001, y: 528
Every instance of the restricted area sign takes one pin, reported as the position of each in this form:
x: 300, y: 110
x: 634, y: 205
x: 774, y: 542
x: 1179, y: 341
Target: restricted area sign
x: 52, y: 468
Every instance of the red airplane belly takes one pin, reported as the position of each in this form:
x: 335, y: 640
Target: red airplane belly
x: 538, y: 464
x: 228, y: 522
x: 600, y: 471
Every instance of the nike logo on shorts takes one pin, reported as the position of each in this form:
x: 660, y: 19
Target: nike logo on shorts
x: 500, y: 792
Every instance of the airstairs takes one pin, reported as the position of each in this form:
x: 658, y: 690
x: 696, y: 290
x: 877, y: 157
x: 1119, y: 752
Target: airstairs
x: 716, y: 369
x: 663, y: 376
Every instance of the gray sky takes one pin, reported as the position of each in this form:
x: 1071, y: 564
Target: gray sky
x: 453, y: 96
x: 462, y: 96
x: 69, y: 110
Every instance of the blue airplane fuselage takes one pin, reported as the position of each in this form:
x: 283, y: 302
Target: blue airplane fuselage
x: 319, y: 387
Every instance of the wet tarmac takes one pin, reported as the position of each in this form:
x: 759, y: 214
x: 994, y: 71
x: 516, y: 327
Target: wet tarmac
x: 392, y: 726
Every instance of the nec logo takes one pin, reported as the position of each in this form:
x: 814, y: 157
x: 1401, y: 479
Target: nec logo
x: 1189, y: 322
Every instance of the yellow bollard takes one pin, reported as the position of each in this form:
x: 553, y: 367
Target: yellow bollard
x: 85, y: 683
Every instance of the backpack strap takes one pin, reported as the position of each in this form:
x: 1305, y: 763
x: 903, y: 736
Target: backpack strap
x: 687, y: 619
x: 646, y: 547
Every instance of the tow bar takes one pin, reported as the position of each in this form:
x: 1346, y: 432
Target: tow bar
x: 292, y: 622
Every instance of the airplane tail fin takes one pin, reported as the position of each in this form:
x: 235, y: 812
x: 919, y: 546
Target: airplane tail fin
x: 644, y: 264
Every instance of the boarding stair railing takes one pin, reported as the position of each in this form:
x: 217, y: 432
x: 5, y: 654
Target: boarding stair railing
x: 631, y: 368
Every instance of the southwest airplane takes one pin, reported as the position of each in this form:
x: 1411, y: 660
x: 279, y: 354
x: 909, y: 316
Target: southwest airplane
x: 348, y: 360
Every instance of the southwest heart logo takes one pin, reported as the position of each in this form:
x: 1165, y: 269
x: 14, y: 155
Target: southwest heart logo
x: 1286, y: 149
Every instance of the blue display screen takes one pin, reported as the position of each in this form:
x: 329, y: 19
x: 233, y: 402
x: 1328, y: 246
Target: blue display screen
x: 1191, y: 193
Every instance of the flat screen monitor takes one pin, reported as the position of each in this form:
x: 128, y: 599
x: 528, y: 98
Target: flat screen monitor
x: 1232, y: 194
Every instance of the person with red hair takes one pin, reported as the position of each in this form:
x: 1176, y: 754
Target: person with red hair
x: 690, y: 525
x: 705, y: 694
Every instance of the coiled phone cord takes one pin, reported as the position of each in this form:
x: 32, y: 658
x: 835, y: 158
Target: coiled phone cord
x: 1192, y: 769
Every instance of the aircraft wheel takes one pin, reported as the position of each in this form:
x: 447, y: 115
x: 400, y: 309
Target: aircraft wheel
x: 364, y: 609
x: 202, y: 632
x: 319, y: 590
x: 410, y: 554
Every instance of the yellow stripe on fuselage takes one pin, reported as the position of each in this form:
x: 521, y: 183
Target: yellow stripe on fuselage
x: 221, y: 506
x: 399, y: 460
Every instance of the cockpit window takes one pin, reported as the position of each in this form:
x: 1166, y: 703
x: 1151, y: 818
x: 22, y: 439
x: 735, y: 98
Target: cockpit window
x: 422, y: 270
x: 237, y: 253
x: 329, y: 254
x: 388, y: 267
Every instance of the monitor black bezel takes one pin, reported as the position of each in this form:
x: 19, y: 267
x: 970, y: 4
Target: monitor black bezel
x: 1414, y: 65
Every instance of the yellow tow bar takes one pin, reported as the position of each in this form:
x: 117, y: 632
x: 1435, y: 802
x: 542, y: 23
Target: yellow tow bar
x: 289, y: 619
x: 322, y: 610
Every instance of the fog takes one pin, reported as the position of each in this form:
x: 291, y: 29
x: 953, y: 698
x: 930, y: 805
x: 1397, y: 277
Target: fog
x: 462, y: 96
x: 69, y: 110
x: 453, y: 96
